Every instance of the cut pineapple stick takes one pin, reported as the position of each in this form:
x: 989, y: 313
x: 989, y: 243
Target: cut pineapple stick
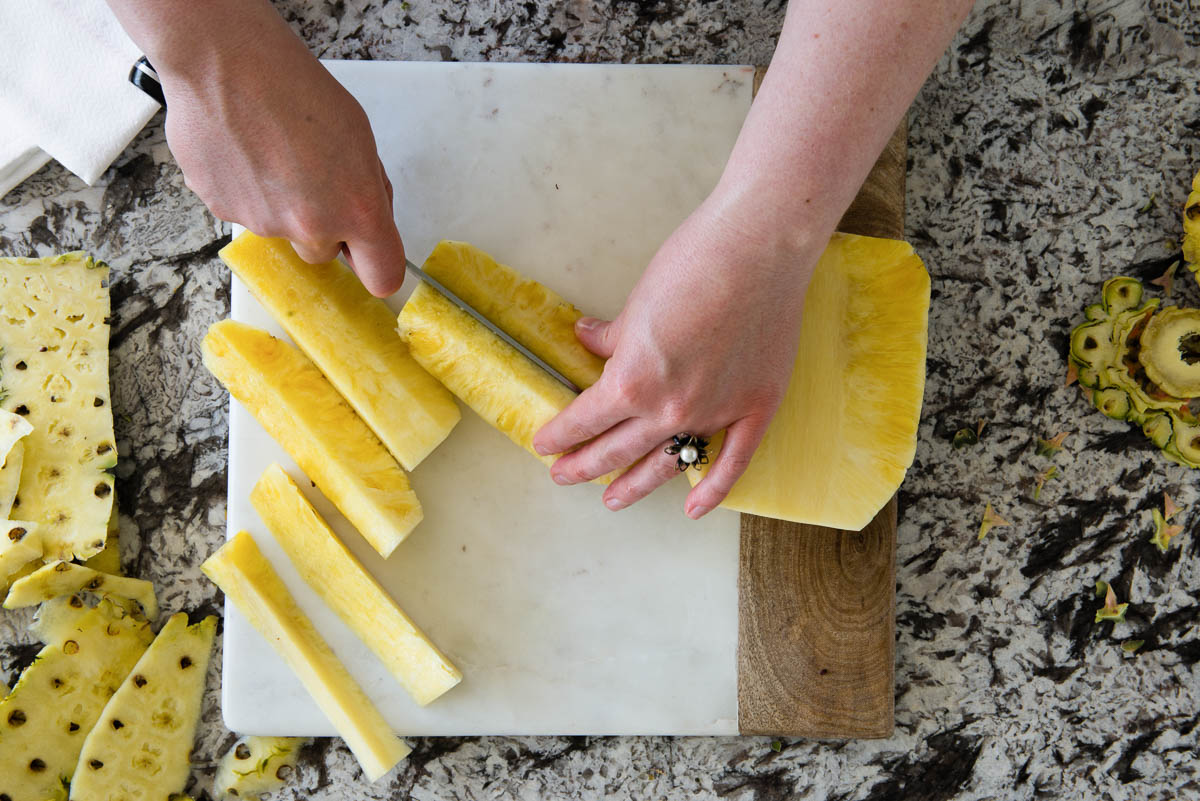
x: 351, y: 336
x: 58, y: 700
x: 506, y: 389
x: 249, y: 581
x: 66, y: 578
x: 537, y: 317
x: 142, y: 744
x: 344, y: 584
x: 20, y: 544
x: 304, y: 413
x: 54, y: 373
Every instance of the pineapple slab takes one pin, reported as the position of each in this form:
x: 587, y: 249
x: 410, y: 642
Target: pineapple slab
x: 109, y: 560
x: 515, y: 396
x: 12, y: 428
x: 256, y: 765
x: 10, y: 478
x: 336, y: 575
x: 537, y: 317
x: 54, y: 373
x: 846, y: 431
x: 57, y: 579
x: 20, y: 544
x: 141, y: 746
x: 351, y: 337
x: 253, y: 586
x: 58, y: 700
x: 302, y: 411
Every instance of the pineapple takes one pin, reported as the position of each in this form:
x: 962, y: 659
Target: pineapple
x: 58, y: 700
x: 10, y: 478
x: 846, y: 431
x: 60, y: 618
x: 256, y: 765
x: 67, y: 578
x: 304, y: 413
x: 1191, y: 226
x: 20, y: 544
x: 109, y: 560
x: 537, y: 317
x: 351, y: 337
x: 507, y: 390
x: 1170, y: 351
x: 249, y: 581
x: 54, y: 373
x: 343, y: 583
x: 142, y: 744
x: 13, y: 427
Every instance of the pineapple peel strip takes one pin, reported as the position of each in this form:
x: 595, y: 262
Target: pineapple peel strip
x: 66, y: 578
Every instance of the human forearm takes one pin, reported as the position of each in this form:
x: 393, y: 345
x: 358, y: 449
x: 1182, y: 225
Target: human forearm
x: 841, y: 79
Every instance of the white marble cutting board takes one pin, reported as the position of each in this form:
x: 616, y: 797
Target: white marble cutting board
x: 565, y: 618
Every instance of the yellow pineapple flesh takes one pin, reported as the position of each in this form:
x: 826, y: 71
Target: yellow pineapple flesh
x: 351, y: 337
x: 510, y: 392
x: 1191, y: 226
x: 846, y: 431
x: 537, y: 317
x: 336, y: 575
x: 253, y: 586
x: 302, y: 411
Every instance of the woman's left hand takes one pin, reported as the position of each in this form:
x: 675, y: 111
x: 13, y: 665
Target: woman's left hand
x: 706, y: 341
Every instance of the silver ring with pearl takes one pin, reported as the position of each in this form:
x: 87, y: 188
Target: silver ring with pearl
x: 689, y: 450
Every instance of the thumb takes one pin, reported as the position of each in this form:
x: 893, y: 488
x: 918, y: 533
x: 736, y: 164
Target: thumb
x: 598, y: 336
x: 378, y: 259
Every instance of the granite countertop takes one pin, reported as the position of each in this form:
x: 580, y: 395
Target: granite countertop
x: 1050, y: 149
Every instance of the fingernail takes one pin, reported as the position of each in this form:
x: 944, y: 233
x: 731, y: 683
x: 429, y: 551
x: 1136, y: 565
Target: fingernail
x: 615, y: 504
x: 541, y: 449
x: 559, y: 478
x: 586, y: 323
x: 697, y: 512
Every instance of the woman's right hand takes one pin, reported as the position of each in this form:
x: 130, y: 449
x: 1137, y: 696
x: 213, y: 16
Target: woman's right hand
x: 268, y: 139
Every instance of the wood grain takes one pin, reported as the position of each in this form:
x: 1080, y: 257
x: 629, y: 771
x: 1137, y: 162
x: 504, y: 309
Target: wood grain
x: 817, y: 606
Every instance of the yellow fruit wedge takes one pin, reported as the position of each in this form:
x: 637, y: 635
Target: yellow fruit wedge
x: 20, y: 544
x: 59, y: 698
x: 304, y: 413
x: 56, y: 579
x: 506, y: 389
x: 344, y: 584
x: 846, y: 431
x: 255, y: 766
x: 109, y: 560
x: 537, y: 317
x: 10, y: 478
x: 141, y: 746
x: 351, y: 336
x: 1191, y: 226
x: 249, y: 581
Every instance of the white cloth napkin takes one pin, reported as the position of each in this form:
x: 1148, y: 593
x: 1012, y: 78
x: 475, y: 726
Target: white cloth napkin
x: 64, y: 88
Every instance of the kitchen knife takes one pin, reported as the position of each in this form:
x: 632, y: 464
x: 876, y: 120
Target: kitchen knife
x: 489, y: 325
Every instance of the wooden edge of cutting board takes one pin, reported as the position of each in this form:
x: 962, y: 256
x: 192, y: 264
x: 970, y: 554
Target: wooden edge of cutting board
x: 817, y: 606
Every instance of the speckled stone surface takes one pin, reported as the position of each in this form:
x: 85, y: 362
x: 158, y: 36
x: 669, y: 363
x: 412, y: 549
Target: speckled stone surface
x: 1049, y: 150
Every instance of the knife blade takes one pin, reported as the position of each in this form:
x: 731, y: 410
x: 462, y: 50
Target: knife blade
x: 445, y: 292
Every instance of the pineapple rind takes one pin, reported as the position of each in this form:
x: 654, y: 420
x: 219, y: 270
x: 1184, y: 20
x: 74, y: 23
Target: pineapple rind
x: 503, y: 387
x: 10, y: 478
x: 846, y: 431
x: 1191, y: 227
x: 20, y: 544
x: 351, y: 337
x: 256, y: 765
x: 336, y: 575
x: 109, y: 560
x: 141, y: 746
x: 60, y: 697
x: 12, y: 428
x: 253, y: 586
x: 537, y: 317
x: 302, y: 411
x: 54, y: 372
x: 1160, y: 351
x: 56, y: 579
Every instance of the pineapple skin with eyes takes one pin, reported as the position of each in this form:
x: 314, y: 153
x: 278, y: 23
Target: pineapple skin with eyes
x: 351, y: 337
x: 302, y: 411
x: 1191, y: 226
x: 846, y: 431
